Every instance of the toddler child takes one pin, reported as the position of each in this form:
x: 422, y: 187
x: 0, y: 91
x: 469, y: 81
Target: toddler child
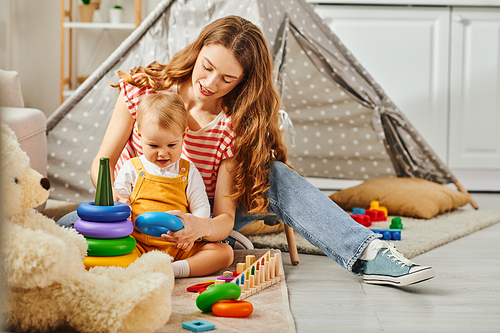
x: 160, y: 180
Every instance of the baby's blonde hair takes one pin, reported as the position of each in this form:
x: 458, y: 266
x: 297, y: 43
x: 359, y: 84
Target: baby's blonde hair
x: 167, y: 109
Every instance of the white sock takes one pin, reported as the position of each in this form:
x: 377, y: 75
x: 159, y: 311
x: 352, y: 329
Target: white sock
x: 371, y: 250
x: 181, y: 268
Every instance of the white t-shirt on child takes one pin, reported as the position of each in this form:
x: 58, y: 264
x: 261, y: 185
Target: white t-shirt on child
x: 195, y: 191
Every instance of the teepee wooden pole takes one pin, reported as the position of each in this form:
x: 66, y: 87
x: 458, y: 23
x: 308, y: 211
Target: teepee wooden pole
x: 463, y: 190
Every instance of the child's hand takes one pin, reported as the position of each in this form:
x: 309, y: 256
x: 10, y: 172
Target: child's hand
x: 119, y: 198
x: 185, y: 246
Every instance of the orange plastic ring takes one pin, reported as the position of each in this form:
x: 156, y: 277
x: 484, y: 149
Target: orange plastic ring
x: 229, y: 308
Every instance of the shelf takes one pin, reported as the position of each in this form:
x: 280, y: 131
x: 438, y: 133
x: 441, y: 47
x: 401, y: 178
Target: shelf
x: 95, y: 25
x: 70, y: 76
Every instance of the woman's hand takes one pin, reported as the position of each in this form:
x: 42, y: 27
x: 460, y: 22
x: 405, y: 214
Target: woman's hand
x: 192, y: 231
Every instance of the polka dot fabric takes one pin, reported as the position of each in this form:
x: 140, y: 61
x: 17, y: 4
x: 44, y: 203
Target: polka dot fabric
x: 345, y: 126
x: 334, y: 135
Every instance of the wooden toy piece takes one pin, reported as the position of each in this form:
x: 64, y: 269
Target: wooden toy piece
x: 396, y: 223
x: 388, y: 234
x: 227, y: 274
x: 374, y: 205
x: 199, y: 286
x: 240, y: 267
x: 198, y: 325
x: 277, y: 260
x: 222, y: 278
x: 254, y: 278
x: 260, y: 273
x: 252, y: 281
x: 250, y: 259
x: 272, y: 267
x: 217, y: 282
x: 104, y: 190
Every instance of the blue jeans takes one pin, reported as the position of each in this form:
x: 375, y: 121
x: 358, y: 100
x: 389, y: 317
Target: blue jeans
x: 308, y: 211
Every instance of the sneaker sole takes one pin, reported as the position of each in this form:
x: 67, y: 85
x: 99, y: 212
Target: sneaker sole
x: 401, y: 281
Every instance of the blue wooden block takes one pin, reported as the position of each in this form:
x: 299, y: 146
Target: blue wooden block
x: 357, y: 210
x: 198, y: 326
x: 388, y: 234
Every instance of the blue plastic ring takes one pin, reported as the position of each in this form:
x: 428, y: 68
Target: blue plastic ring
x: 104, y: 230
x: 157, y: 223
x: 88, y: 211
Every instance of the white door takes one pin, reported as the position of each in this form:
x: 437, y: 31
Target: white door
x: 475, y: 98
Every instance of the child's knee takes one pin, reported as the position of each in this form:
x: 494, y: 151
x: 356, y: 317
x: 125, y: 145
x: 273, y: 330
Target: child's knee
x: 227, y: 253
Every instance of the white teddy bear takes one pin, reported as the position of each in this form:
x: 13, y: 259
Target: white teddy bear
x: 47, y: 285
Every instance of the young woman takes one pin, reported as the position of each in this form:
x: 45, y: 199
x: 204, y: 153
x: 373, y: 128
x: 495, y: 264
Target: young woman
x: 225, y: 80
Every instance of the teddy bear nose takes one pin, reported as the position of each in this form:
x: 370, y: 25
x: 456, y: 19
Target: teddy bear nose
x: 45, y: 183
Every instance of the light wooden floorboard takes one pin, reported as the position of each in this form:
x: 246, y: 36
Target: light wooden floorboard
x: 463, y: 297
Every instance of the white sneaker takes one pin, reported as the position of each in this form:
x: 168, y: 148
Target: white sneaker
x: 238, y: 241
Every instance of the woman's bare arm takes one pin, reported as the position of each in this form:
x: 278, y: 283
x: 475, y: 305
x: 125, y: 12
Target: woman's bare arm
x: 118, y: 132
x: 221, y: 224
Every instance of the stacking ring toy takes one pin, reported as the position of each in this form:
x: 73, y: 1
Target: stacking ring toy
x: 88, y: 211
x: 110, y: 247
x: 104, y: 230
x: 221, y: 292
x: 229, y: 308
x: 157, y: 223
x: 121, y: 261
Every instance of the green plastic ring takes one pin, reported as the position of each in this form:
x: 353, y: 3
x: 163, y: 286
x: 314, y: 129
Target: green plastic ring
x: 221, y: 292
x: 110, y: 247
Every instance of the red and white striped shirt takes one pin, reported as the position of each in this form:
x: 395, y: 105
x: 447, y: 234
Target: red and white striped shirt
x: 206, y: 148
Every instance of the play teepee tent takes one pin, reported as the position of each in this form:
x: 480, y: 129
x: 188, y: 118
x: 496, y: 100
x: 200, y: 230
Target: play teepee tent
x: 345, y: 126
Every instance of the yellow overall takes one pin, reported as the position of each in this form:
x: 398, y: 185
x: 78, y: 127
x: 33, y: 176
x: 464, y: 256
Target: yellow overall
x: 158, y: 193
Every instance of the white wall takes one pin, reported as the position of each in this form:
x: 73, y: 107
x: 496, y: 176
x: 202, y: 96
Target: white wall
x: 31, y: 42
x: 30, y: 45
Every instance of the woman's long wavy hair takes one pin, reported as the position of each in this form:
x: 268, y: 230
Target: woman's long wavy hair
x: 253, y: 104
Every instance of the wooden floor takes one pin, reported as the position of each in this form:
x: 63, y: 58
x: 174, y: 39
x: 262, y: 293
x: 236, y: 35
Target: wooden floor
x: 463, y: 297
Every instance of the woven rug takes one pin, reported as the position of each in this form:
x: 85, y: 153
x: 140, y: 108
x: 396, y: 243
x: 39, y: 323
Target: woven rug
x: 271, y: 306
x: 418, y: 235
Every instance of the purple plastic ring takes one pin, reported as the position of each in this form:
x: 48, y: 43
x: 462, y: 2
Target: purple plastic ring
x: 104, y: 230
